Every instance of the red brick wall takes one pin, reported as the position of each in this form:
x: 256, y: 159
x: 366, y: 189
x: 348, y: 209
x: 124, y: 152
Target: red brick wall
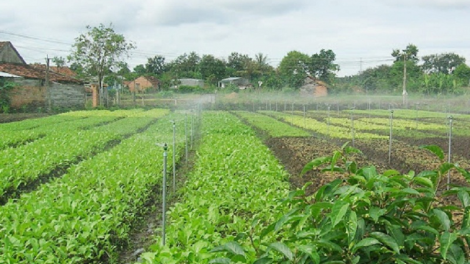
x: 27, y: 95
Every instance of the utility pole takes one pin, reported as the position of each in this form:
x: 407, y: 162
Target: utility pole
x: 48, y: 89
x: 405, y: 94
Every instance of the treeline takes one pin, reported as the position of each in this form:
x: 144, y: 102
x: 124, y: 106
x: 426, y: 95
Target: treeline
x: 444, y: 73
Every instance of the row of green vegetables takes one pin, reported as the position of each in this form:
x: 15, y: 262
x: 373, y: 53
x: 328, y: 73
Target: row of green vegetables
x: 17, y: 133
x: 234, y: 186
x: 272, y: 126
x: 22, y: 165
x: 322, y: 128
x: 86, y: 215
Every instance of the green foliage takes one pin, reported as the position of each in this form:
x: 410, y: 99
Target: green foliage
x: 369, y: 217
x: 212, y: 69
x: 321, y: 65
x: 99, y: 50
x: 5, y: 88
x: 185, y: 89
x: 462, y: 73
x: 443, y: 63
x: 293, y: 68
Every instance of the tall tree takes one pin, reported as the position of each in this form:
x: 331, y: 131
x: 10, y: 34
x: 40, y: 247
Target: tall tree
x: 156, y: 65
x: 441, y: 63
x: 186, y: 66
x: 322, y: 65
x: 462, y: 73
x: 140, y: 70
x: 238, y: 63
x: 410, y: 53
x: 293, y: 68
x: 99, y: 50
x: 212, y: 69
x: 59, y: 61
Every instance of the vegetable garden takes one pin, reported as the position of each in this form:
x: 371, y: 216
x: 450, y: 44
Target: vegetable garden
x: 265, y: 186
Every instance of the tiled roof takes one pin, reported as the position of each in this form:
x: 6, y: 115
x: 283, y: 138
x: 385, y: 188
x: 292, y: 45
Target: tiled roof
x: 30, y: 72
x: 154, y: 81
x: 66, y: 71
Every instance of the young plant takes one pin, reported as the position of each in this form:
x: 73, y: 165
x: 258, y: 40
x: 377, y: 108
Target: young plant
x: 368, y: 217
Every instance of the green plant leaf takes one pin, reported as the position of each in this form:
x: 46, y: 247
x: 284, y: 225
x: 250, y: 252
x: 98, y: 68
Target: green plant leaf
x: 443, y: 219
x: 376, y: 212
x: 423, y: 181
x: 386, y: 240
x: 352, y: 226
x: 220, y: 261
x: 231, y: 247
x: 283, y: 249
x: 445, y: 167
x: 436, y: 150
x: 464, y: 197
x: 263, y: 260
x: 446, y: 241
x: 338, y: 211
x: 315, y: 163
x: 369, y: 241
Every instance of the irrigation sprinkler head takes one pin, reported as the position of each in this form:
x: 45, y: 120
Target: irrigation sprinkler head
x: 163, y: 145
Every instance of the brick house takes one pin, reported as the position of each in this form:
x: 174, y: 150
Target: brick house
x: 313, y: 87
x: 144, y: 83
x: 65, y: 91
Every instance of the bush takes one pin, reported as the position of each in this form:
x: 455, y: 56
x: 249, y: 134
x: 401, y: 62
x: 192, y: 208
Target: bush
x: 366, y: 217
x: 184, y: 89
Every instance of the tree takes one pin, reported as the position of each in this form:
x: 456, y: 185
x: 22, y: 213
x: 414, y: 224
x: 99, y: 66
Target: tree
x: 59, y: 61
x: 99, y: 50
x: 443, y: 63
x: 156, y: 65
x: 140, y: 70
x: 212, y: 69
x: 321, y: 65
x: 186, y: 66
x: 237, y: 63
x: 462, y: 73
x: 293, y: 68
x: 410, y: 53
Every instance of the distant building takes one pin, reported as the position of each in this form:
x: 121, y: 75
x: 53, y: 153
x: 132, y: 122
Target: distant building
x: 313, y: 87
x: 191, y: 82
x: 144, y: 83
x: 241, y: 82
x: 64, y: 90
x: 8, y: 53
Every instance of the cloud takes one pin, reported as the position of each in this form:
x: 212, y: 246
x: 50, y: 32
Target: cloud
x: 180, y: 12
x: 432, y: 4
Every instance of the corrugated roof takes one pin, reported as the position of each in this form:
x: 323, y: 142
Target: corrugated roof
x: 4, y: 74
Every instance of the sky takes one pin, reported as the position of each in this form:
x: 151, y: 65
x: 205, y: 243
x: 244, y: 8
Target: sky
x: 362, y: 33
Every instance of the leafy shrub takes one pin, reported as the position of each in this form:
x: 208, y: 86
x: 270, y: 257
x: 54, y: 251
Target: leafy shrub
x: 366, y: 217
x: 184, y: 89
x: 5, y: 87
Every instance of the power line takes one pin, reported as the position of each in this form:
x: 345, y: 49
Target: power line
x: 34, y: 38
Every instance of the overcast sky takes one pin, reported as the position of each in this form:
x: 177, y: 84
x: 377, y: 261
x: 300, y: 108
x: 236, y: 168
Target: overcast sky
x: 362, y: 33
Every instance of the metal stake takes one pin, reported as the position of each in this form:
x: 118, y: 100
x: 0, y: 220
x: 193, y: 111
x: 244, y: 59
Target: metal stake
x: 450, y: 150
x: 352, y: 128
x: 186, y: 137
x: 174, y: 159
x: 390, y: 141
x: 165, y: 148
